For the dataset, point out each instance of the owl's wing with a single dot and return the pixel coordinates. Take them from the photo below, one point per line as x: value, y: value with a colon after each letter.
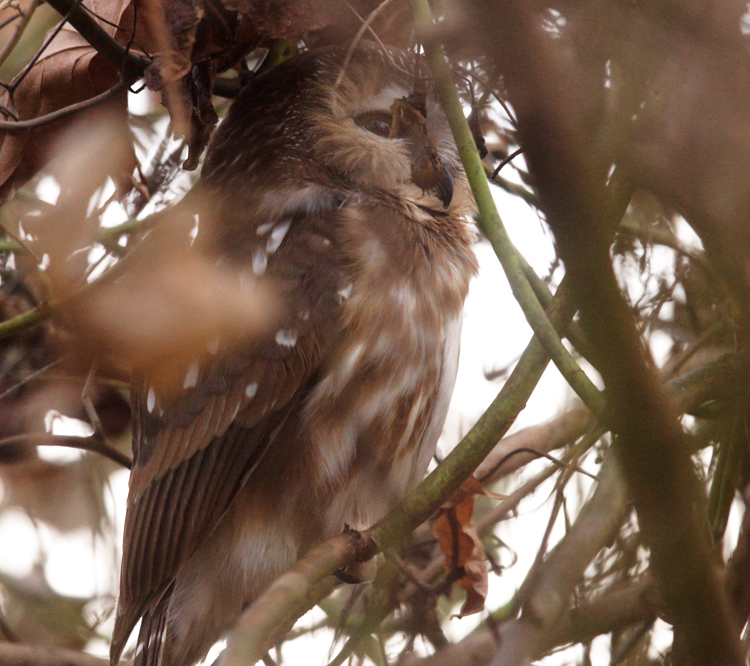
x: 192, y: 455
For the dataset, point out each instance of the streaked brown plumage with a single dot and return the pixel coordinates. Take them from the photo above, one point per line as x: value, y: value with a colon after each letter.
x: 271, y: 447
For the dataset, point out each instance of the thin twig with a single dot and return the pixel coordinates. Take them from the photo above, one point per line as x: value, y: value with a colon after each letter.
x: 18, y: 125
x: 362, y: 30
x: 130, y: 64
x: 48, y: 40
x: 11, y: 43
x: 9, y: 20
x: 29, y: 377
x: 507, y: 160
x: 672, y: 366
x: 94, y: 444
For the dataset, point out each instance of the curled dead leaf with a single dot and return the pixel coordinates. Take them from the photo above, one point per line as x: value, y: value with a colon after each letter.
x: 69, y: 71
x: 460, y: 543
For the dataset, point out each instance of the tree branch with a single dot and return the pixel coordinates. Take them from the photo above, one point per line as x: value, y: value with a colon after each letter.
x: 301, y: 588
x: 267, y: 620
x: 131, y: 65
x: 596, y: 525
x: 490, y: 221
x: 571, y: 175
x: 94, y: 444
x: 14, y: 654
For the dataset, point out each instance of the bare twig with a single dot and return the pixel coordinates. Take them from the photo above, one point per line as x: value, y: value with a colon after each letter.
x: 543, y: 438
x: 94, y: 444
x: 596, y: 525
x: 40, y: 51
x: 360, y: 33
x: 130, y: 64
x: 25, y: 18
x: 29, y: 377
x: 507, y: 160
x: 13, y: 654
x: 673, y: 365
x: 615, y: 609
x: 19, y: 125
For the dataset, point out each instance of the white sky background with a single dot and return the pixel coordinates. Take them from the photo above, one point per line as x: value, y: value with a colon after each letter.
x: 495, y: 334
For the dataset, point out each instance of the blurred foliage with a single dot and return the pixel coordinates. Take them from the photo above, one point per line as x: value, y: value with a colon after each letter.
x: 115, y: 169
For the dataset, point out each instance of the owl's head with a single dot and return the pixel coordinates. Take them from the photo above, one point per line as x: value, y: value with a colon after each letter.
x: 366, y: 119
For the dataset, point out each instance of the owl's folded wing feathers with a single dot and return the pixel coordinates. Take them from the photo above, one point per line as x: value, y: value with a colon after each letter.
x: 193, y: 454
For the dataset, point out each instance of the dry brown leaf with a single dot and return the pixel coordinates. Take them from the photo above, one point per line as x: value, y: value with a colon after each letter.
x: 460, y: 543
x: 161, y: 318
x: 70, y: 71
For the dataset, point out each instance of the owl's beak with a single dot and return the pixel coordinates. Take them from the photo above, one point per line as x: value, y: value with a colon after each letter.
x: 444, y: 189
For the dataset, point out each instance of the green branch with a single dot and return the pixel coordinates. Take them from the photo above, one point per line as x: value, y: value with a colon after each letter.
x: 490, y: 221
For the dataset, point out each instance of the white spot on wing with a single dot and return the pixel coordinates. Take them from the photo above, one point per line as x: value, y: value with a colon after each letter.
x: 260, y: 261
x: 251, y: 390
x: 345, y: 293
x: 277, y: 236
x: 286, y: 337
x: 194, y: 230
x: 191, y: 377
x: 151, y: 400
x: 264, y: 228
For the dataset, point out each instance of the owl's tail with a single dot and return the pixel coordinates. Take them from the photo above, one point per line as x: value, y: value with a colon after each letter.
x: 151, y: 638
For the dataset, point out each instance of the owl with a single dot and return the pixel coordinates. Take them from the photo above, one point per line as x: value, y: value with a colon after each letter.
x: 348, y: 198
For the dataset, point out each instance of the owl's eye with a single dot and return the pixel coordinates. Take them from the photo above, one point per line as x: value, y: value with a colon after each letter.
x: 377, y: 122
